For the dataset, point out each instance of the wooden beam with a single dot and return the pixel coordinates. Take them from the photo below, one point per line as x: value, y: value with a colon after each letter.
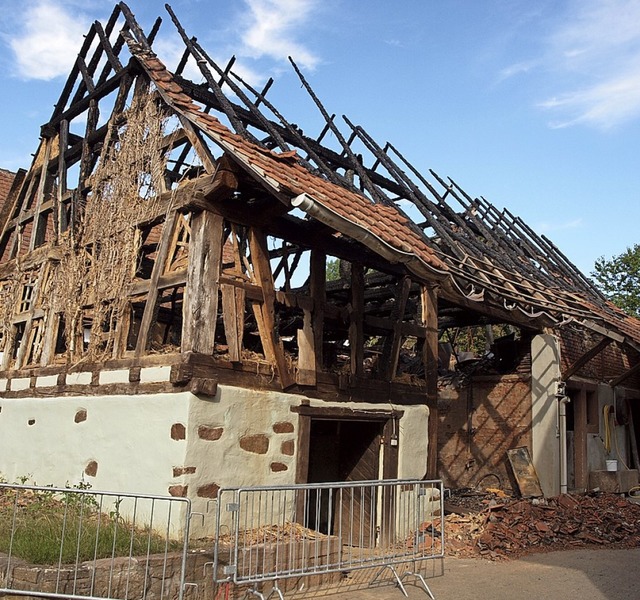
x: 265, y: 311
x: 632, y: 436
x: 40, y: 195
x: 318, y: 290
x: 200, y: 308
x: 585, y: 358
x: 233, y: 307
x: 429, y: 315
x: 616, y: 337
x: 195, y: 139
x: 150, y: 309
x: 306, y: 374
x: 356, y: 320
x: 59, y: 218
x: 391, y: 351
x: 628, y: 373
x: 253, y: 292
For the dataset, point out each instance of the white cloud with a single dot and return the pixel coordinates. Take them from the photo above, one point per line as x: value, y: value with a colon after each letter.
x: 597, y: 48
x: 604, y: 105
x: 516, y: 69
x: 48, y: 40
x: 546, y: 227
x: 273, y: 29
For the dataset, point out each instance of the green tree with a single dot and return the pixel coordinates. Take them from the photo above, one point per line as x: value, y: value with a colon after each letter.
x: 333, y: 269
x: 619, y: 279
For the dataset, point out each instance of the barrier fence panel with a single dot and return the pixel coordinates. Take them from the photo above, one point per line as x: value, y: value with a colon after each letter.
x: 79, y: 543
x: 274, y: 533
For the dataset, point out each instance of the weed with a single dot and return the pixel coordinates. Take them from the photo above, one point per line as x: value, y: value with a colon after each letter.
x: 50, y: 527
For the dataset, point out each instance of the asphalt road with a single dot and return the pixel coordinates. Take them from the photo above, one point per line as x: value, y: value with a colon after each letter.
x: 566, y: 575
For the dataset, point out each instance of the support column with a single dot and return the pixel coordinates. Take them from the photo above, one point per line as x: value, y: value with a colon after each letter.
x: 200, y: 309
x: 429, y: 297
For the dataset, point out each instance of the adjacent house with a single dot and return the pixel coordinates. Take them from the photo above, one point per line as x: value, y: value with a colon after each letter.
x: 197, y: 293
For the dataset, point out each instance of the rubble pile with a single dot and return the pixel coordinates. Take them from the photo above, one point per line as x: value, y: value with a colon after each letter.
x: 508, y: 528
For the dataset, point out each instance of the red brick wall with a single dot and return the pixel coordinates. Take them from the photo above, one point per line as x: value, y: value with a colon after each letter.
x: 477, y: 425
x: 609, y: 364
x: 6, y: 179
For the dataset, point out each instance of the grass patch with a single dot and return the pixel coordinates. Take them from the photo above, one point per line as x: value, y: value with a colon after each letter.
x: 50, y: 528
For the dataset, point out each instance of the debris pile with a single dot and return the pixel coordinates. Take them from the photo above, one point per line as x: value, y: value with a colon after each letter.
x: 508, y: 528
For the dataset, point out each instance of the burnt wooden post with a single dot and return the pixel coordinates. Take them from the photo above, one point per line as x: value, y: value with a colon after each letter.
x: 318, y: 286
x: 203, y: 280
x: 391, y: 351
x: 150, y: 309
x: 233, y: 303
x: 265, y: 311
x: 307, y: 373
x: 429, y: 297
x: 356, y: 320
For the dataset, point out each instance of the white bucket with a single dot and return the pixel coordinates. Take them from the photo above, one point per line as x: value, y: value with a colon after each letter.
x: 612, y: 465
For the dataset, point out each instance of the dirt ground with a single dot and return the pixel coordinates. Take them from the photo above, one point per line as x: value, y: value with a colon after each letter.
x: 584, y: 574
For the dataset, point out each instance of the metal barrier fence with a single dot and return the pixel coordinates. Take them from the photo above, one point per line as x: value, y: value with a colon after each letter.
x: 274, y: 533
x: 82, y: 544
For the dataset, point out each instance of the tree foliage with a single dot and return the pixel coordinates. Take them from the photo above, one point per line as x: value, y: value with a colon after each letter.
x: 619, y: 279
x: 333, y: 269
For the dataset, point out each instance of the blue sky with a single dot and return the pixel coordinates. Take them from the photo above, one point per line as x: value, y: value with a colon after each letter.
x: 533, y: 105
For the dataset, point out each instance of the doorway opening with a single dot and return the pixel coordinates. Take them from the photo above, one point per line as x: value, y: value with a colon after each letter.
x: 343, y: 451
x: 347, y: 445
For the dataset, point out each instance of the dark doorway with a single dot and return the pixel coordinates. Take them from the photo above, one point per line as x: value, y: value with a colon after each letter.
x: 341, y: 450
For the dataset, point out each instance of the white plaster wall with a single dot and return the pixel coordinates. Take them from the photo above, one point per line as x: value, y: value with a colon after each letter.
x: 128, y: 436
x: 413, y: 443
x: 240, y: 412
x: 545, y: 373
x: 130, y: 439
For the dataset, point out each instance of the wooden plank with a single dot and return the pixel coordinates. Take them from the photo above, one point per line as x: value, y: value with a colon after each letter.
x: 200, y: 308
x: 391, y: 349
x: 429, y: 316
x: 40, y: 194
x: 318, y: 286
x: 265, y: 312
x: 52, y: 324
x: 195, y: 139
x: 306, y: 374
x: 356, y: 320
x: 152, y: 296
x: 233, y: 307
x: 254, y: 292
x: 524, y: 472
x: 59, y: 217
